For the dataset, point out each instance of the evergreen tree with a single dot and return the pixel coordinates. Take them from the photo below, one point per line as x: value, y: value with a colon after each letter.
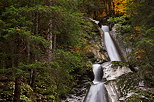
x: 37, y: 62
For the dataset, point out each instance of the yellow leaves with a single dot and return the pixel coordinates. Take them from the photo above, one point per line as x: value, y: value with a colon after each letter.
x: 137, y: 28
x: 124, y: 1
x: 18, y: 29
x: 119, y: 6
x: 138, y: 31
x: 130, y: 37
x: 84, y: 41
x: 139, y: 53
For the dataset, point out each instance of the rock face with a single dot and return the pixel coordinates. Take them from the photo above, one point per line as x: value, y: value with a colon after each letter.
x: 121, y: 45
x: 111, y: 74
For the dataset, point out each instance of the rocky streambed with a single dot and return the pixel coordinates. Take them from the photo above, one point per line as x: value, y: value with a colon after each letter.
x: 78, y: 93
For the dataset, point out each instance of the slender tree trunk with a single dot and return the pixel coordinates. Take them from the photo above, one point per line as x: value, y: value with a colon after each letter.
x: 54, y: 44
x: 15, y: 62
x: 105, y: 5
x: 33, y: 78
x: 28, y: 59
x: 33, y: 71
x: 109, y: 7
x: 17, y: 90
x: 50, y: 38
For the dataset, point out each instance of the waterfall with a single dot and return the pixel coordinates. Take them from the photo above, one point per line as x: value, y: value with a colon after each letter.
x: 97, y: 70
x: 109, y: 45
x: 97, y: 92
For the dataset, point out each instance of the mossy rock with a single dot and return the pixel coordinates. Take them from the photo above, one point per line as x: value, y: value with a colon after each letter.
x: 140, y: 96
x: 128, y: 82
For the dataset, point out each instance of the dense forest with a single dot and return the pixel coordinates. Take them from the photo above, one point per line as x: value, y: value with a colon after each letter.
x: 44, y: 44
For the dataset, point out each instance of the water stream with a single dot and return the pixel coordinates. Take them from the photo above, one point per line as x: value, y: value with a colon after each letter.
x: 109, y: 45
x: 97, y: 91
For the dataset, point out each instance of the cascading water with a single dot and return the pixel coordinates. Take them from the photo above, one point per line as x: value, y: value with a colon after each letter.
x: 109, y: 45
x: 98, y: 72
x: 97, y: 92
x: 102, y: 91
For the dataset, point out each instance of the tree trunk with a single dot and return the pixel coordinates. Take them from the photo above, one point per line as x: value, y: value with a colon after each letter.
x: 33, y: 71
x: 54, y: 44
x: 33, y: 78
x: 17, y: 90
x: 15, y: 61
x: 50, y: 38
x: 109, y: 7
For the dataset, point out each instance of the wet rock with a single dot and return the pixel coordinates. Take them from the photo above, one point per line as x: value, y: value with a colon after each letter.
x: 112, y: 73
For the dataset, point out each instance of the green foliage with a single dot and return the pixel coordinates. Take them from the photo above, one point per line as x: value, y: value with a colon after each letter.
x: 6, y: 90
x: 90, y: 6
x: 69, y: 60
x: 136, y: 32
x: 115, y: 20
x: 141, y: 12
x: 122, y: 24
x: 25, y: 26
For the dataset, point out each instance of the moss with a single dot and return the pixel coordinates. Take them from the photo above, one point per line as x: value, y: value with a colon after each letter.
x: 141, y: 96
x: 119, y: 63
x: 127, y: 82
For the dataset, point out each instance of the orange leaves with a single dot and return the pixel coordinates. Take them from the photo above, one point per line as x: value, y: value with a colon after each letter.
x: 87, y: 48
x: 75, y: 49
x: 104, y: 14
x: 139, y: 53
x: 138, y: 57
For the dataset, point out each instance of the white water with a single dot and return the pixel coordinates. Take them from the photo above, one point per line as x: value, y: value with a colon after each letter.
x: 98, y: 72
x: 94, y: 20
x: 110, y: 46
x: 97, y: 92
